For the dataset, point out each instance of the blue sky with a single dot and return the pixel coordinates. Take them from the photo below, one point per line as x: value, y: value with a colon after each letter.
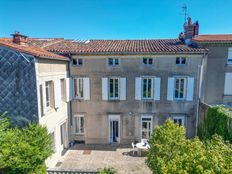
x: 111, y: 19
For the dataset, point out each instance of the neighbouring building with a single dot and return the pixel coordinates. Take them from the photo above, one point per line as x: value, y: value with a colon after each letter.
x: 34, y: 87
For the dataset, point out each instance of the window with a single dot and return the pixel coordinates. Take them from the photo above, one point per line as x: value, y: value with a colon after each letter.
x: 229, y: 59
x: 53, y: 145
x: 49, y: 93
x: 114, y: 88
x: 147, y: 61
x: 180, y: 87
x: 79, y: 88
x: 113, y: 61
x: 228, y: 83
x: 79, y: 124
x: 147, y: 87
x: 180, y: 61
x: 179, y: 120
x: 62, y: 83
x: 146, y: 127
x: 77, y: 62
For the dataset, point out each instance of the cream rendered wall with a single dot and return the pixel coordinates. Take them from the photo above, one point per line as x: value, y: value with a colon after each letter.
x: 49, y: 70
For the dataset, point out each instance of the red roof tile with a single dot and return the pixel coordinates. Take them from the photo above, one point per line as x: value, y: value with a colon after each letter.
x: 152, y: 46
x: 214, y: 38
x: 35, y: 51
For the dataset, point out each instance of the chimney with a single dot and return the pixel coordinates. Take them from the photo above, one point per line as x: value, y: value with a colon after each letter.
x: 191, y: 30
x: 19, y: 39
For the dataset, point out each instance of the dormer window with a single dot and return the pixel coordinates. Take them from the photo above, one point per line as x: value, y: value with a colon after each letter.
x: 77, y: 62
x: 113, y: 61
x: 180, y: 60
x: 147, y: 61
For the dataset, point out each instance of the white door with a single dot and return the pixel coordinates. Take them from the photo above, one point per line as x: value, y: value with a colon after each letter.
x: 114, y: 128
x: 146, y: 127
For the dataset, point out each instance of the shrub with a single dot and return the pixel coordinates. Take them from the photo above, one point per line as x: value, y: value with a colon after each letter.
x: 24, y: 150
x: 171, y: 152
x: 107, y: 171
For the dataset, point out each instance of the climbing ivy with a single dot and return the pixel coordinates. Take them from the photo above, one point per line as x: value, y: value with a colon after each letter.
x: 218, y: 120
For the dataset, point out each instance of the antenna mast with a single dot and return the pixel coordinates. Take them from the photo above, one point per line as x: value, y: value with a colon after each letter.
x: 184, y: 11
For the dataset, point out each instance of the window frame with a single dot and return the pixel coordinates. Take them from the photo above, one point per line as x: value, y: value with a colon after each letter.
x: 79, y: 116
x: 151, y: 124
x: 179, y: 117
x: 181, y: 60
x: 77, y: 62
x: 229, y: 59
x: 63, y: 89
x: 184, y: 90
x: 77, y: 88
x: 49, y: 94
x: 53, y: 144
x: 114, y: 98
x: 147, y: 61
x: 152, y: 87
x: 113, y: 62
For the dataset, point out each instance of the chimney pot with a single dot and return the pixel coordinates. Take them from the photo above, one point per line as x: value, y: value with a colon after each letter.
x: 19, y: 39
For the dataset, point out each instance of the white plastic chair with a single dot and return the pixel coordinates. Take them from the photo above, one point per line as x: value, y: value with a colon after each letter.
x: 144, y: 141
x: 134, y: 147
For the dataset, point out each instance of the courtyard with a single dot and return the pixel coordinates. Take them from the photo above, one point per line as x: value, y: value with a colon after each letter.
x: 94, y: 157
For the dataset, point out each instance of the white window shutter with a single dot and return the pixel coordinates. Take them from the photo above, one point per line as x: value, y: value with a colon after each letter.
x: 104, y: 88
x: 86, y: 89
x: 228, y: 84
x: 170, y: 89
x: 190, y: 89
x: 123, y: 88
x: 69, y: 89
x: 138, y: 88
x: 157, y: 88
x: 57, y: 93
x: 44, y: 98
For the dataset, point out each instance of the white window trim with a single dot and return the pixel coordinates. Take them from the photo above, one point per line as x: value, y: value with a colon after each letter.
x: 152, y: 87
x: 74, y: 124
x: 185, y: 88
x: 78, y: 90
x: 181, y: 61
x: 114, y: 98
x: 50, y: 95
x: 141, y: 124
x: 181, y: 118
x: 114, y: 65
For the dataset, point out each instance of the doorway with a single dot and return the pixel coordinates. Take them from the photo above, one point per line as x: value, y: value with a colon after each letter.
x: 114, y: 128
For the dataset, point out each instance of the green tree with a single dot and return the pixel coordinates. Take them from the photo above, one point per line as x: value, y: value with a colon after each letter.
x: 171, y: 152
x: 24, y: 150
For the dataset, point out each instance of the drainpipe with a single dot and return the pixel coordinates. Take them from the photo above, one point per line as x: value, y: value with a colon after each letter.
x: 200, y: 76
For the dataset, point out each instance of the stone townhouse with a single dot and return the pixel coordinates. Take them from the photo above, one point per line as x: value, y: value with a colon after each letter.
x: 218, y: 80
x: 34, y: 86
x: 122, y: 89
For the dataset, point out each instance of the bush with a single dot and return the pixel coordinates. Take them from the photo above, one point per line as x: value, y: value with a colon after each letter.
x: 217, y: 121
x: 24, y: 150
x: 171, y: 152
x: 107, y: 171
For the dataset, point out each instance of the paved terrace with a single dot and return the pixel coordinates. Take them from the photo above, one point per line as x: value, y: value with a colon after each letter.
x: 94, y: 157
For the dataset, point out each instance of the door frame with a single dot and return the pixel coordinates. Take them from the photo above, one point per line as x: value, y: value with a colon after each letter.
x: 114, y: 117
x: 141, y: 123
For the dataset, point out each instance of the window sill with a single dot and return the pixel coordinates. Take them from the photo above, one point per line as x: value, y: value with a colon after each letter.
x: 79, y: 134
x: 77, y: 66
x: 227, y: 95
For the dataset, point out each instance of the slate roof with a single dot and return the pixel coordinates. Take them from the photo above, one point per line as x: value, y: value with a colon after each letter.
x: 151, y: 46
x: 214, y: 38
x: 32, y: 50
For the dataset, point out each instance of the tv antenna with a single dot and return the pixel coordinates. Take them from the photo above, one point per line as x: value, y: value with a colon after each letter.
x: 184, y: 11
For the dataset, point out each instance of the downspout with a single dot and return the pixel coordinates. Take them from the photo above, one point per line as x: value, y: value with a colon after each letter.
x: 200, y: 76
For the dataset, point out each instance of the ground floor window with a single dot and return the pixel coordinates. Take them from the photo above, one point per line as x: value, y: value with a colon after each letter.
x: 146, y: 127
x: 79, y: 124
x: 53, y: 145
x: 180, y: 120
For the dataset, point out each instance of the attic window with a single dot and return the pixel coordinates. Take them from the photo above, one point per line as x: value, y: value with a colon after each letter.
x: 77, y: 62
x: 180, y: 61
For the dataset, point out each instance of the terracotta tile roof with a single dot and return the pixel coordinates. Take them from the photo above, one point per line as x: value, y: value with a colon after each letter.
x: 152, y: 46
x: 35, y: 51
x: 214, y: 38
